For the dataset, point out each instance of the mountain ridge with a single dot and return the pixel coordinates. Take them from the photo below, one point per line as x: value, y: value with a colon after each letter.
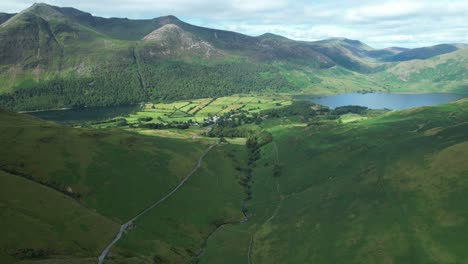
x: 44, y: 46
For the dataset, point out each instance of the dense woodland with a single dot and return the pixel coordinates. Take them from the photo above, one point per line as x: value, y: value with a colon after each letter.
x: 173, y: 80
x: 120, y: 84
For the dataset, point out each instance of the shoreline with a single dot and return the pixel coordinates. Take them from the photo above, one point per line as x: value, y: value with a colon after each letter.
x: 45, y: 110
x: 74, y: 108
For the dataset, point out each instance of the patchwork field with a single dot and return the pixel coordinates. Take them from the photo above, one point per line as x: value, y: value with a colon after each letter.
x: 198, y: 110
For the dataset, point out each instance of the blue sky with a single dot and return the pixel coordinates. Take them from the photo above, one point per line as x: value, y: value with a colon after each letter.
x: 380, y: 24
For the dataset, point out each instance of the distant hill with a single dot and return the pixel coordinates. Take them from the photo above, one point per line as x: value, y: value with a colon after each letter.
x: 383, y: 54
x: 422, y: 53
x: 443, y: 73
x: 351, y: 54
x: 4, y: 17
x: 52, y: 57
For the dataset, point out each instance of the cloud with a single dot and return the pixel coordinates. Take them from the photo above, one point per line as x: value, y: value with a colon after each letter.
x: 383, y: 11
x: 389, y: 23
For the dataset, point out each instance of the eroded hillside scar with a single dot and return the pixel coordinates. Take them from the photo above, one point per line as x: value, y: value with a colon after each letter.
x: 140, y: 78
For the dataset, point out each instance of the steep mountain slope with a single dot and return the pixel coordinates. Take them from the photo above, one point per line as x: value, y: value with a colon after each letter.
x: 383, y: 54
x: 28, y: 38
x: 5, y: 16
x: 351, y: 54
x: 172, y: 41
x: 423, y: 53
x: 52, y: 57
x: 65, y: 62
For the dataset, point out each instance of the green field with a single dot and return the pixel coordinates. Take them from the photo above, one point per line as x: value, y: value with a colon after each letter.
x: 198, y: 110
x: 194, y: 111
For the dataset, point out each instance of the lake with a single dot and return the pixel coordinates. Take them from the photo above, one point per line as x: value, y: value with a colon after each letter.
x: 384, y: 100
x: 370, y: 100
x: 87, y: 114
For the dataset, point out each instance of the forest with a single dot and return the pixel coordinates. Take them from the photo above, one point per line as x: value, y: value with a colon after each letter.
x: 115, y: 84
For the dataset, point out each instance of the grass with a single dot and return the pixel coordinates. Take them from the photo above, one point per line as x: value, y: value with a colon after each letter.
x: 196, y: 111
x: 39, y: 218
x: 444, y: 73
x: 388, y: 186
x: 176, y: 230
x: 113, y: 174
x: 384, y: 189
x: 349, y: 118
x: 94, y: 163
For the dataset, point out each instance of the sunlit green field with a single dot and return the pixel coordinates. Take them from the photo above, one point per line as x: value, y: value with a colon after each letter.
x: 198, y: 110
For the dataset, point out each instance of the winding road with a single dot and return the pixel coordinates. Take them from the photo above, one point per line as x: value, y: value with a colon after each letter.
x: 124, y: 227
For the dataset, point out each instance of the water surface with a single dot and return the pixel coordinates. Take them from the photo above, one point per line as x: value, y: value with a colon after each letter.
x: 87, y: 114
x: 385, y: 100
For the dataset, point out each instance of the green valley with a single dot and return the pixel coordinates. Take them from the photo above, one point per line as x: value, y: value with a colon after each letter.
x: 338, y: 183
x: 131, y: 141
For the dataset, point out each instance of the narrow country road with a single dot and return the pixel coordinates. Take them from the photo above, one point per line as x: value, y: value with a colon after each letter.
x: 127, y: 224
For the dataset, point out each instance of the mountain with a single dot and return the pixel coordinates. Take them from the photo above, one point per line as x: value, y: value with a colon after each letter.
x: 170, y: 40
x: 54, y: 57
x: 443, y: 73
x: 5, y: 16
x: 382, y: 54
x: 348, y: 53
x: 423, y: 53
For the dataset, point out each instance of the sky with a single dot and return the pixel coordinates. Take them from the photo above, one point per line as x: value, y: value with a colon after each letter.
x: 380, y: 24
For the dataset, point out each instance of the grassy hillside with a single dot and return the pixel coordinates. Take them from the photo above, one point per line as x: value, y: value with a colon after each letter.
x: 387, y: 185
x: 444, y: 73
x: 387, y: 189
x: 42, y: 223
x: 175, y: 231
x: 105, y: 177
x: 92, y: 165
x: 422, y: 53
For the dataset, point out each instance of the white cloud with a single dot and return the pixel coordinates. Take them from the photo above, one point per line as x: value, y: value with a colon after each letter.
x: 388, y: 10
x: 390, y: 23
x: 258, y: 5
